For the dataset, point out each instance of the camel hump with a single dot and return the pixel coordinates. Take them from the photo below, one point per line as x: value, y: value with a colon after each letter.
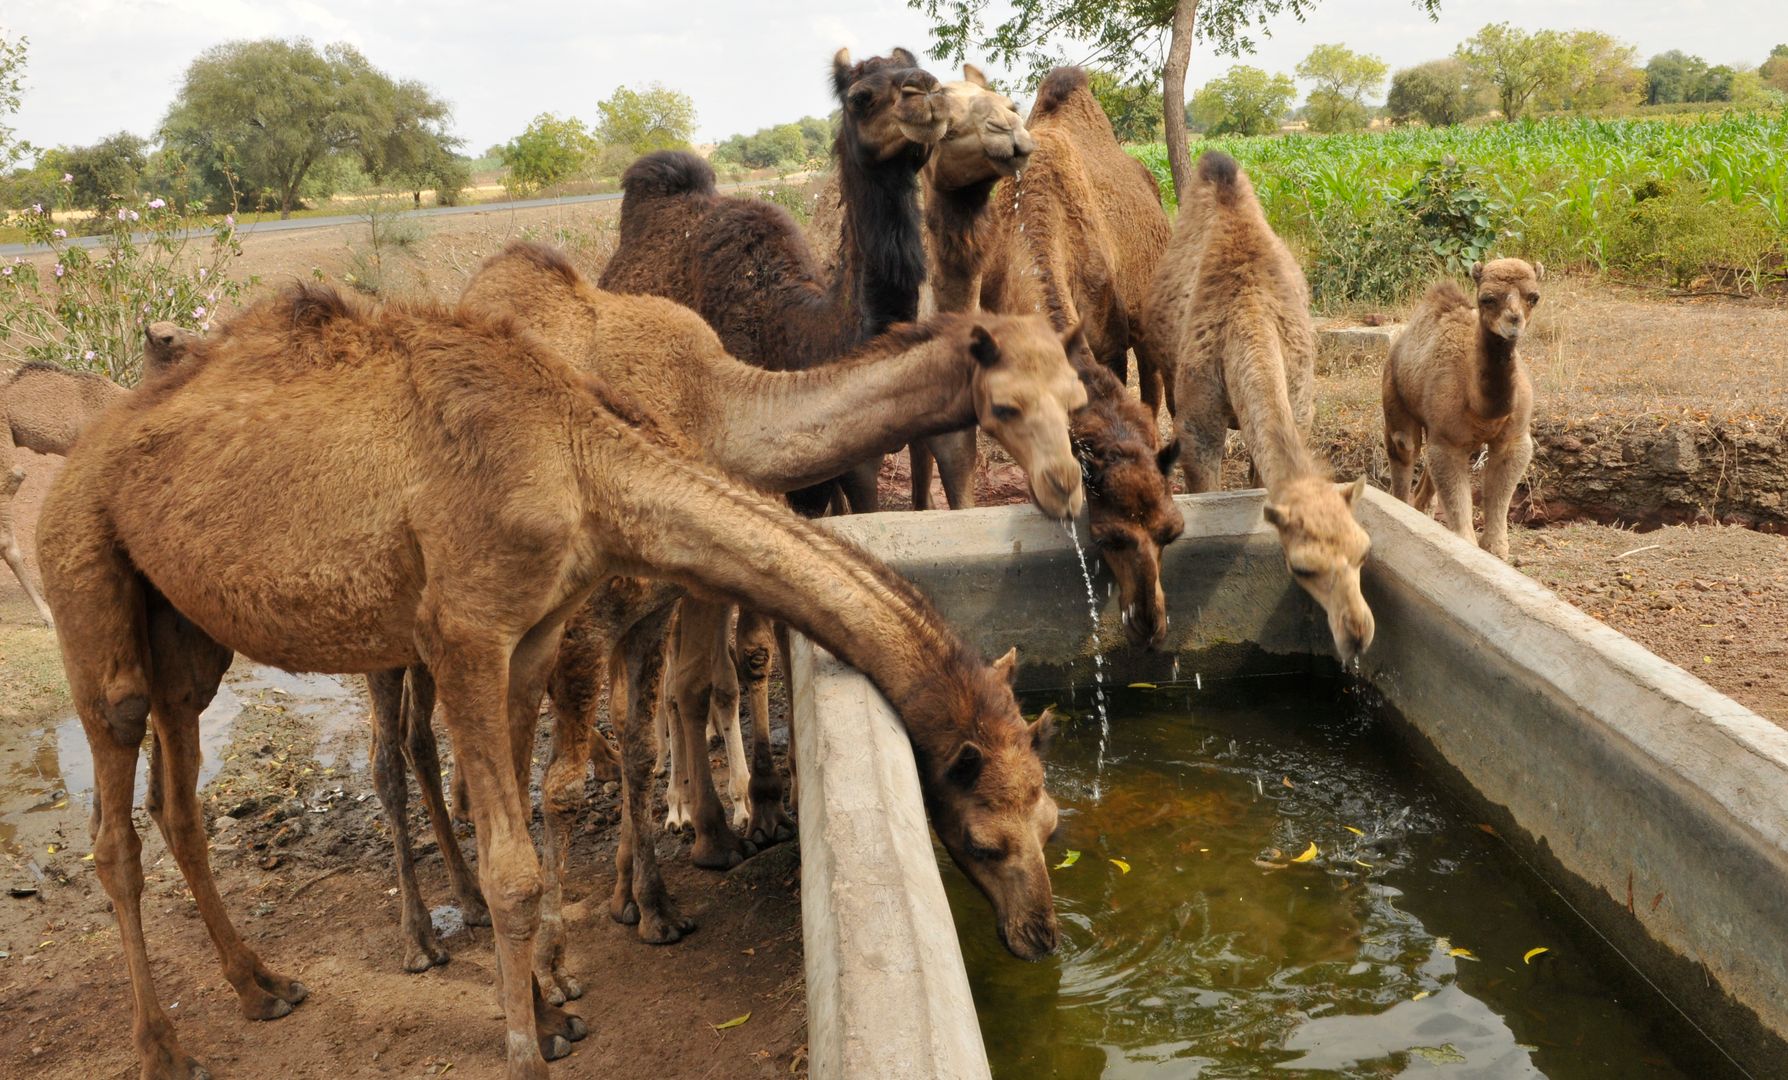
x: 1220, y: 171
x: 1058, y: 86
x: 667, y: 173
x: 314, y: 306
x: 541, y: 256
x: 1446, y: 294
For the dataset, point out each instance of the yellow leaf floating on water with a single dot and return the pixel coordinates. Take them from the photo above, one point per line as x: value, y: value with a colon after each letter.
x: 1362, y: 862
x: 1123, y: 867
x: 1309, y: 853
x: 1463, y: 954
x: 733, y: 1023
x: 1143, y: 686
x: 1356, y: 832
x: 1068, y: 860
x: 1420, y: 994
x: 1285, y: 781
x: 1527, y: 957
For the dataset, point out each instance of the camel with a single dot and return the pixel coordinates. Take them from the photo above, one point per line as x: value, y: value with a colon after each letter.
x: 1077, y: 235
x: 744, y: 265
x: 1455, y: 378
x: 775, y: 432
x: 43, y: 408
x: 1230, y: 305
x: 504, y: 488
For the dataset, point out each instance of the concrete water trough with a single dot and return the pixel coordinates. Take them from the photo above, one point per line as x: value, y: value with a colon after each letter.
x: 1616, y: 774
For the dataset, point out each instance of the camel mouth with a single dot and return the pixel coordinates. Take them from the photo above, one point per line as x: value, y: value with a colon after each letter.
x: 1143, y: 629
x: 1032, y: 940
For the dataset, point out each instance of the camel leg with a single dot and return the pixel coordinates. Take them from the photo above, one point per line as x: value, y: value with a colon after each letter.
x: 860, y: 486
x: 671, y: 747
x: 1450, y: 468
x: 919, y: 455
x: 1150, y: 379
x: 703, y: 629
x: 640, y: 896
x: 9, y: 544
x: 1507, y: 464
x: 188, y: 666
x: 1402, y: 445
x: 769, y: 822
x: 573, y: 687
x: 1423, y: 494
x: 723, y: 713
x: 1204, y: 428
x: 422, y: 950
x: 957, y: 456
x: 783, y: 657
x: 424, y: 757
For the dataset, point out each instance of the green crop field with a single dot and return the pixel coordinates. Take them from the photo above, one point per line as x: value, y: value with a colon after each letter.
x: 1674, y: 201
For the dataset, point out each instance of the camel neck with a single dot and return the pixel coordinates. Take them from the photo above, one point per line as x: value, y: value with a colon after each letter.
x: 780, y: 431
x: 881, y: 253
x: 957, y: 221
x: 1496, y: 375
x: 1261, y: 399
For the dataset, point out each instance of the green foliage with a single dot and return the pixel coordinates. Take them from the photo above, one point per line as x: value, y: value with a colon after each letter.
x: 1243, y: 101
x: 1514, y: 64
x: 89, y: 309
x: 109, y: 171
x: 1344, y: 80
x: 1673, y: 76
x: 12, y: 84
x: 1134, y: 108
x: 1592, y: 71
x: 1773, y: 72
x: 550, y: 150
x: 1679, y: 233
x: 391, y: 235
x: 1437, y: 93
x: 790, y: 198
x: 656, y: 118
x: 800, y: 144
x: 1454, y: 213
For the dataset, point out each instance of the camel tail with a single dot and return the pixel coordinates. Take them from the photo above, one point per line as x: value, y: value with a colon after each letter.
x: 667, y: 173
x: 1220, y: 171
x: 1058, y: 86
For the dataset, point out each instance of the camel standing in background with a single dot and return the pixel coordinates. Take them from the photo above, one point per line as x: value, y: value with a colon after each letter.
x: 44, y: 408
x: 1231, y: 308
x: 1454, y: 376
x: 506, y: 486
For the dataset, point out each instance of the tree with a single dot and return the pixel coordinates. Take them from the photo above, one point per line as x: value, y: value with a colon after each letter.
x: 783, y: 146
x: 1593, y: 71
x: 1672, y: 76
x: 547, y: 152
x: 1134, y: 108
x: 412, y: 142
x: 1715, y: 84
x: 12, y: 84
x: 655, y: 118
x: 1126, y: 38
x: 1344, y: 79
x: 270, y: 113
x: 1513, y: 63
x: 1244, y: 101
x: 107, y: 172
x: 1437, y: 93
x: 1774, y: 71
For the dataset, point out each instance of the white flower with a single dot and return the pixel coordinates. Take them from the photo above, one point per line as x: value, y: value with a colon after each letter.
x: 59, y: 233
x: 88, y: 356
x: 157, y: 204
x: 123, y: 214
x: 37, y: 208
x: 199, y: 312
x: 203, y: 272
x: 6, y: 272
x: 68, y: 178
x: 59, y: 270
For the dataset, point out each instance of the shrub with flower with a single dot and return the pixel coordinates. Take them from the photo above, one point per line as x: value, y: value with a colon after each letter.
x: 89, y: 309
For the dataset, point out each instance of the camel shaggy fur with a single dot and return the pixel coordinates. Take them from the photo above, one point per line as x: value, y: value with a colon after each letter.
x: 44, y: 408
x: 504, y: 488
x: 1455, y: 379
x: 1231, y: 307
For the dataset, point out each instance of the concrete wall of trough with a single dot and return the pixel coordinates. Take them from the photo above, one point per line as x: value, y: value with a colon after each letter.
x: 1624, y: 776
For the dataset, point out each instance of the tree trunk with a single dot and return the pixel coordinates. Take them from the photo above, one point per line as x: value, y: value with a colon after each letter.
x: 1173, y: 95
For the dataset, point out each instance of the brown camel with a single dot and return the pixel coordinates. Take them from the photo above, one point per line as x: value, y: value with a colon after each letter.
x: 744, y: 265
x: 1455, y: 377
x: 775, y: 431
x: 1231, y: 307
x: 506, y: 485
x: 43, y: 408
x: 1076, y: 235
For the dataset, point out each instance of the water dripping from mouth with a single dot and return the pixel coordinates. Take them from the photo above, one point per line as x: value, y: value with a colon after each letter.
x: 1092, y: 606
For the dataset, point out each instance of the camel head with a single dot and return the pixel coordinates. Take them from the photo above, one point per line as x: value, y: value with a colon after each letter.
x: 164, y: 346
x: 1324, y: 548
x: 1132, y: 518
x: 985, y: 138
x: 1025, y: 391
x: 891, y: 105
x: 987, y: 803
x: 1508, y: 291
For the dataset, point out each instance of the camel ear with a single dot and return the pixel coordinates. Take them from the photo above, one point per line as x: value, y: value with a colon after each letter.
x: 1539, y: 271
x: 1351, y: 492
x: 1043, y: 731
x: 1168, y: 456
x: 1006, y: 666
x: 1274, y: 514
x: 972, y: 74
x: 841, y: 72
x: 965, y: 767
x: 1477, y: 272
x: 982, y: 347
x: 904, y: 58
x: 1074, y: 342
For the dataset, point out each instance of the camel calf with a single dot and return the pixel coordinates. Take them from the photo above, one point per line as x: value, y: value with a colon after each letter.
x: 1455, y: 378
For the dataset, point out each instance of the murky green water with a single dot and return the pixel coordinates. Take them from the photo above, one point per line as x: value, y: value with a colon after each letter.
x: 1218, y: 955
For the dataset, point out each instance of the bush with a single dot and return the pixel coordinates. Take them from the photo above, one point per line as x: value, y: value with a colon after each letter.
x: 1680, y: 235
x: 88, y: 311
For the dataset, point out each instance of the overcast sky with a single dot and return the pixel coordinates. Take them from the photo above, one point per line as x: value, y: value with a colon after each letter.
x: 97, y: 66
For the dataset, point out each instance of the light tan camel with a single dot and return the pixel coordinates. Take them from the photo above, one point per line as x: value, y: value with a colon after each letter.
x: 1076, y: 235
x: 1231, y: 308
x: 1455, y: 378
x: 43, y: 408
x: 503, y: 488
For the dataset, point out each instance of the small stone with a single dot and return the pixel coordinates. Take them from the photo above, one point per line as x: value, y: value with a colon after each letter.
x: 271, y: 861
x: 20, y: 892
x: 611, y: 787
x: 223, y: 825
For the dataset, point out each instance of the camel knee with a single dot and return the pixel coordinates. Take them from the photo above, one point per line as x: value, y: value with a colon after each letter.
x: 125, y: 712
x: 754, y: 664
x: 513, y: 895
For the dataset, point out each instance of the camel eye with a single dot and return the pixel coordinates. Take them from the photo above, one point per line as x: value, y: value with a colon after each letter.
x: 1533, y: 298
x: 1113, y: 541
x: 1005, y: 414
x: 1486, y: 300
x: 1304, y: 572
x: 985, y: 852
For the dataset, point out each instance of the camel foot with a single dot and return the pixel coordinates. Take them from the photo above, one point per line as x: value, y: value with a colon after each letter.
x: 721, y: 852
x: 554, y: 1047
x: 551, y: 1020
x: 167, y: 1062
x: 473, y: 910
x: 1500, y: 549
x: 770, y: 824
x: 665, y: 926
x: 625, y: 912
x: 422, y: 953
x: 741, y: 819
x: 676, y: 817
x: 558, y: 988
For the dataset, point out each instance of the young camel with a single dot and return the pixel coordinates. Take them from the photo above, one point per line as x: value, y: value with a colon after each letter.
x: 1230, y: 305
x: 773, y: 431
x: 1455, y: 377
x: 505, y: 487
x: 44, y: 408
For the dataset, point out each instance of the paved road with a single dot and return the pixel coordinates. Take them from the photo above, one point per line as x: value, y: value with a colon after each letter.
x: 276, y: 225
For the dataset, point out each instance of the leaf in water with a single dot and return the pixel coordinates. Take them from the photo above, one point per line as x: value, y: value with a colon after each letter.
x: 1285, y: 781
x: 1309, y: 853
x: 1123, y: 867
x: 1356, y: 832
x: 733, y: 1023
x: 1444, y: 1054
x: 1491, y: 829
x: 1527, y: 957
x: 1419, y: 995
x: 1068, y: 860
x: 1463, y: 954
x: 1362, y: 862
x: 1143, y: 686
